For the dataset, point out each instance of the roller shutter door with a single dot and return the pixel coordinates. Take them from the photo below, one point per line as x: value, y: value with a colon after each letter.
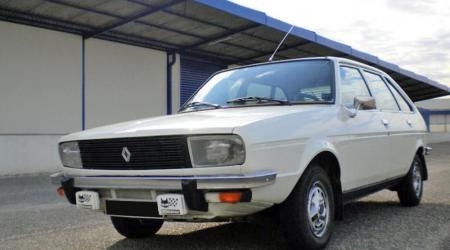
x: 193, y: 73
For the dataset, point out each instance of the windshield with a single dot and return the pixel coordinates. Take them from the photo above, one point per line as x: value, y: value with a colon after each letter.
x: 284, y: 83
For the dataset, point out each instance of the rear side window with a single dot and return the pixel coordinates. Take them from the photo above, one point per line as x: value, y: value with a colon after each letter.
x: 352, y: 84
x: 381, y: 93
x: 404, y: 106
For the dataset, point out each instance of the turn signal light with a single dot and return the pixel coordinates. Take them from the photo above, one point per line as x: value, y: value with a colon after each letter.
x: 230, y: 197
x: 60, y: 191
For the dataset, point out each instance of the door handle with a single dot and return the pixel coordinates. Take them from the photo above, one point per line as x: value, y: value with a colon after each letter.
x: 385, y: 122
x: 409, y: 122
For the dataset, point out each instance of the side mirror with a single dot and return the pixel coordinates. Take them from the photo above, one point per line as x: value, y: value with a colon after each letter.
x: 364, y: 103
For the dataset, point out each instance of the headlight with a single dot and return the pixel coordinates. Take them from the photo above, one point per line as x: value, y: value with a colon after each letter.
x: 70, y: 154
x: 216, y: 150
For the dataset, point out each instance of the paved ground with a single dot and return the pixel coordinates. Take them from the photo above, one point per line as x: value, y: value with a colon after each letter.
x: 33, y: 217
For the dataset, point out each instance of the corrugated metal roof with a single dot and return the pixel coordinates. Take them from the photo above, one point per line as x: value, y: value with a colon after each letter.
x: 219, y: 30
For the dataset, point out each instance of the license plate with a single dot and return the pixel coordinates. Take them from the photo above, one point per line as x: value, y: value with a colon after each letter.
x: 87, y: 200
x: 171, y: 204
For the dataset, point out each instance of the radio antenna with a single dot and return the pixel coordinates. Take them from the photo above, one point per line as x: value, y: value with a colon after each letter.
x: 281, y: 42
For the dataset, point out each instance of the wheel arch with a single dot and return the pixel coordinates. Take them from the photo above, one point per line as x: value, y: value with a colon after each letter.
x: 330, y: 163
x: 327, y: 158
x: 421, y: 153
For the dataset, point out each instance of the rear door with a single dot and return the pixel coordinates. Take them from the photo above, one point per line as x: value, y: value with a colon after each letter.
x: 390, y: 118
x: 403, y: 132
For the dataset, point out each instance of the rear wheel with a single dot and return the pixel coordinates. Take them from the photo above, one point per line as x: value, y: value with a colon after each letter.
x: 411, y: 188
x: 136, y: 228
x: 307, y: 216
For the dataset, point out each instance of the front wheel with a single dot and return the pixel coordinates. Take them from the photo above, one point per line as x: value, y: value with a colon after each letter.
x: 307, y: 216
x: 411, y: 188
x: 136, y: 228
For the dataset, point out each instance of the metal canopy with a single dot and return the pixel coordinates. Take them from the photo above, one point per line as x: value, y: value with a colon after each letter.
x: 212, y: 29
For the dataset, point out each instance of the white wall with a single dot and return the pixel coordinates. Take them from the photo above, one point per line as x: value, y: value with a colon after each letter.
x: 438, y: 137
x: 438, y: 123
x: 24, y: 154
x: 40, y: 91
x: 39, y: 96
x: 39, y: 80
x: 441, y: 103
x: 123, y: 82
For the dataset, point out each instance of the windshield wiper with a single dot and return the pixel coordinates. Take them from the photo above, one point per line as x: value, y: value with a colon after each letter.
x: 199, y: 104
x: 258, y: 99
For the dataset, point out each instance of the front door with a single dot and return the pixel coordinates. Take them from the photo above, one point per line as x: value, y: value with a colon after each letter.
x: 363, y: 141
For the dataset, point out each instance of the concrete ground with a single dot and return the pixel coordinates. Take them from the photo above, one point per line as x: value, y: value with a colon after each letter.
x: 33, y: 217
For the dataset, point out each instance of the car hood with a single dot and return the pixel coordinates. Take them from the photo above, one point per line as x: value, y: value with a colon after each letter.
x: 201, y: 122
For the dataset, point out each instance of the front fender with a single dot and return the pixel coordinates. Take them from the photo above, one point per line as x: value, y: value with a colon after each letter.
x: 312, y: 149
x: 286, y: 180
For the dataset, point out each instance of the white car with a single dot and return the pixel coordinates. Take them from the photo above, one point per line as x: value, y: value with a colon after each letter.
x: 301, y: 137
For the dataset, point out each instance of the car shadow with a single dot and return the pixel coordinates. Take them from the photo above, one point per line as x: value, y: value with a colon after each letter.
x: 366, y: 224
x: 225, y: 236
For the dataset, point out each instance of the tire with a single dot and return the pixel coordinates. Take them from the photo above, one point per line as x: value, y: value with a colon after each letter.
x: 136, y: 228
x: 297, y: 228
x: 411, y: 188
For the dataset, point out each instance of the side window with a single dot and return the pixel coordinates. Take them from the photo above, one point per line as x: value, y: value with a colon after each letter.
x: 383, y: 97
x: 404, y: 106
x: 352, y: 84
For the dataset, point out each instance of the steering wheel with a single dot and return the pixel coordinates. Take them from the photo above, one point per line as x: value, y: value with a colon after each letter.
x: 303, y: 96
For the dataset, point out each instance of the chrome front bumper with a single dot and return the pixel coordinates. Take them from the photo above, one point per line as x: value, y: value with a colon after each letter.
x: 209, y: 182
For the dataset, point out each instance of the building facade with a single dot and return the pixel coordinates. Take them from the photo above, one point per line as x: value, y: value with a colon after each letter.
x: 436, y: 113
x: 41, y: 97
x: 66, y: 66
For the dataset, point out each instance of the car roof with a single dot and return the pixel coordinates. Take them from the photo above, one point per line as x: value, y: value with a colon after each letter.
x: 332, y: 58
x: 355, y: 63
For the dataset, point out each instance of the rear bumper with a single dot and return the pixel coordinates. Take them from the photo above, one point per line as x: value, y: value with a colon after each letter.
x: 209, y: 182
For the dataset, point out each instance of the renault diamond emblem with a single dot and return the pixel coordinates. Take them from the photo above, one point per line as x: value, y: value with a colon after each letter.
x: 126, y: 154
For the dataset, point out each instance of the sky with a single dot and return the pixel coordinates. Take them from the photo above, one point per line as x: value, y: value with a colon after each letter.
x: 414, y: 34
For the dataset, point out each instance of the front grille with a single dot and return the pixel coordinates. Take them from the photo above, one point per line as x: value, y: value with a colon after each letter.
x: 159, y: 152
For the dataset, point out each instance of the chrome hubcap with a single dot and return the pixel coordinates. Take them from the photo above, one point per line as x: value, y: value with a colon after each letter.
x: 417, y: 179
x: 318, y: 209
